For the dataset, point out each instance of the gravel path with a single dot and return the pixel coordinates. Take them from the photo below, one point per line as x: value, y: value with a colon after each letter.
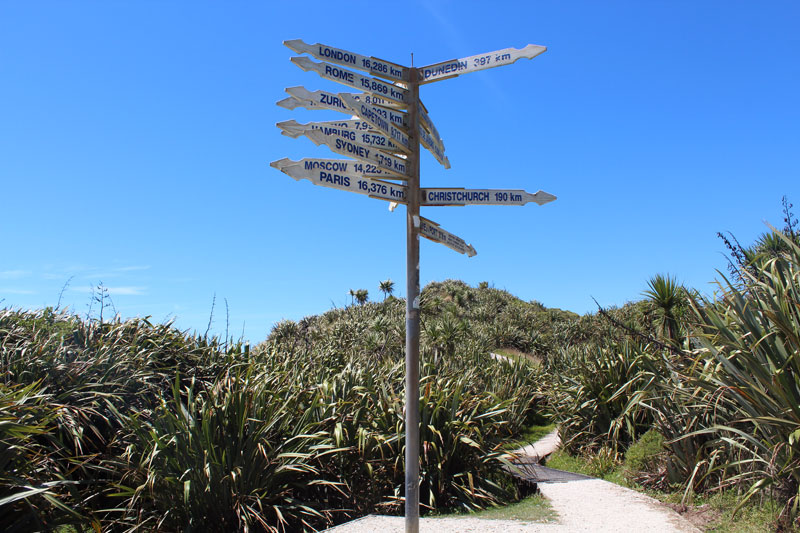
x: 584, y: 505
x: 542, y: 447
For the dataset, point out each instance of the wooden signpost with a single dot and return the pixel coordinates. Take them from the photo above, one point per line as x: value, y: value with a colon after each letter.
x: 340, y: 165
x: 442, y: 196
x: 385, y: 161
x: 431, y: 230
x: 302, y: 97
x: 385, y: 144
x: 457, y: 67
x: 377, y: 67
x: 392, y: 123
x: 354, y: 130
x: 354, y: 79
x: 346, y: 181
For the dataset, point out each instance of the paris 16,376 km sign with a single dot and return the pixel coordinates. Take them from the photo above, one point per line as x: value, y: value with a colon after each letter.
x: 385, y: 126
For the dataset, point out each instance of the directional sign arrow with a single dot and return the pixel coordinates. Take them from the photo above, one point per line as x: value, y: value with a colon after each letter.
x: 428, y: 142
x: 384, y: 120
x: 328, y: 100
x: 427, y: 123
x: 291, y: 128
x: 336, y: 165
x: 456, y: 67
x: 431, y: 230
x: 441, y: 196
x: 345, y: 181
x: 386, y: 162
x: 376, y: 67
x: 353, y: 130
x: 353, y: 79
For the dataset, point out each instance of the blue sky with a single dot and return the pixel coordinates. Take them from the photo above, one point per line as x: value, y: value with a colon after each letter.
x: 136, y: 137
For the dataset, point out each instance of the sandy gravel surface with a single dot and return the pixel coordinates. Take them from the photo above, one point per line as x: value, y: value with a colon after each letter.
x: 396, y: 524
x: 597, y: 505
x: 589, y: 505
x: 629, y: 519
x: 542, y: 447
x: 582, y: 506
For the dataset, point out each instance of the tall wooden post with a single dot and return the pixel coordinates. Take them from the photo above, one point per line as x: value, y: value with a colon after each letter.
x: 412, y: 313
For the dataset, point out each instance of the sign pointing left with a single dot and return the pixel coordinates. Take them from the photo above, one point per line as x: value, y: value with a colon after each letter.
x: 353, y: 79
x: 335, y: 165
x: 386, y: 162
x: 345, y: 181
x: 376, y: 67
x: 332, y: 101
x: 357, y: 131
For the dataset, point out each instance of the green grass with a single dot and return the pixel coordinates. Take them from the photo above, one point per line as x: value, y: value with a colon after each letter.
x: 531, y: 509
x: 716, y: 511
x: 530, y: 434
x: 561, y: 460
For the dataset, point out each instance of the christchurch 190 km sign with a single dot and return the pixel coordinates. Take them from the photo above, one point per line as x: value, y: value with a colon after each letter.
x: 389, y: 124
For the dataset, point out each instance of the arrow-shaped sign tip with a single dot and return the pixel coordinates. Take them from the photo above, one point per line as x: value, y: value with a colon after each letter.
x: 290, y: 128
x: 303, y: 62
x: 281, y: 163
x: 289, y: 103
x: 471, y: 251
x: 541, y: 197
x: 294, y: 45
x: 533, y: 50
x: 446, y: 163
x: 292, y: 172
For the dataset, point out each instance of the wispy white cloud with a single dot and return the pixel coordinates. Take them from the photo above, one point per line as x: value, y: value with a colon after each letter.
x: 114, y: 291
x: 6, y: 290
x: 127, y: 291
x: 132, y: 268
x: 113, y: 272
x: 14, y: 274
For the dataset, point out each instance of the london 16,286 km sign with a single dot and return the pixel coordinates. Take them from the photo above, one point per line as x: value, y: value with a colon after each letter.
x: 389, y: 124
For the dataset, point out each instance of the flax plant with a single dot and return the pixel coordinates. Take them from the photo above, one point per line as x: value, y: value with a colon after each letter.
x: 751, y: 336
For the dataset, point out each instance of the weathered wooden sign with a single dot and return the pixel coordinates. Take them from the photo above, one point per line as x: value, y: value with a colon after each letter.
x: 336, y: 165
x: 434, y: 148
x: 302, y: 97
x: 386, y: 162
x: 427, y: 123
x: 353, y: 130
x: 376, y: 67
x: 353, y: 79
x: 498, y: 58
x: 441, y: 196
x: 384, y: 120
x: 345, y: 181
x: 432, y: 231
x: 292, y: 128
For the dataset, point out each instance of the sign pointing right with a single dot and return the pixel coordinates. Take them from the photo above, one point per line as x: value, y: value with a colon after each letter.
x: 498, y: 58
x: 431, y: 231
x: 442, y: 196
